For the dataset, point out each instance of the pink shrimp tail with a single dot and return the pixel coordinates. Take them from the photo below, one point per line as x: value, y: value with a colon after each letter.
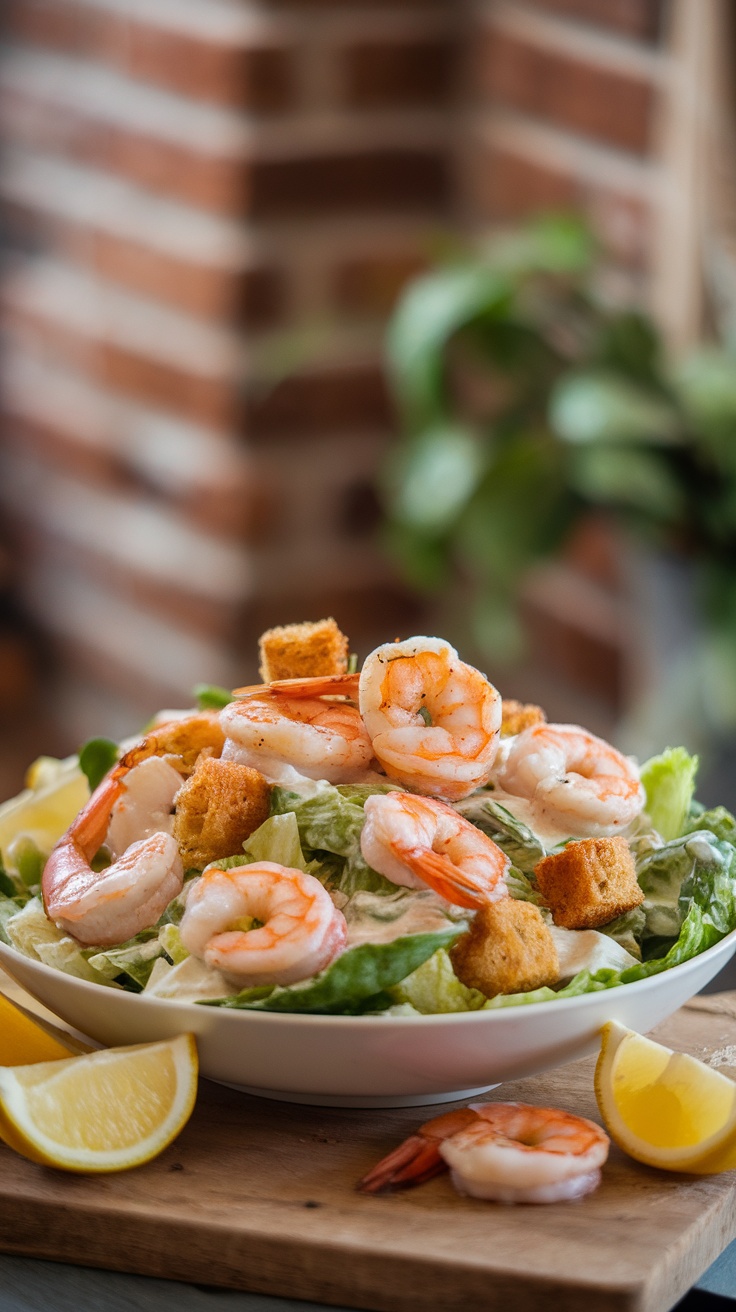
x: 418, y: 1158
x: 345, y: 685
x: 451, y: 883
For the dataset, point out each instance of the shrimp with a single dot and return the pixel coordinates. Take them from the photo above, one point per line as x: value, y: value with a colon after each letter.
x: 508, y: 1152
x: 301, y: 932
x: 109, y: 906
x: 574, y: 780
x: 433, y: 720
x: 416, y: 841
x: 286, y: 736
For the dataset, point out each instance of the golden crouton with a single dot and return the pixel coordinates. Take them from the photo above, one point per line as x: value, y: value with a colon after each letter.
x: 302, y: 651
x: 519, y: 715
x: 508, y: 949
x: 589, y: 882
x: 217, y: 809
x: 187, y: 738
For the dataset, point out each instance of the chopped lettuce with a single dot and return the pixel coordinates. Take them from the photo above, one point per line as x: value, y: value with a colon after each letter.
x: 662, y: 873
x: 669, y: 783
x: 31, y: 933
x: 360, y: 974
x: 170, y: 940
x: 627, y: 930
x: 717, y: 821
x: 512, y: 836
x: 330, y: 822
x: 210, y: 697
x: 135, y: 961
x: 434, y: 987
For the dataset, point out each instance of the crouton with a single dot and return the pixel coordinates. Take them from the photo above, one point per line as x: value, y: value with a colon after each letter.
x: 185, y: 739
x: 217, y: 809
x: 589, y: 882
x: 508, y: 949
x: 519, y: 715
x: 302, y: 651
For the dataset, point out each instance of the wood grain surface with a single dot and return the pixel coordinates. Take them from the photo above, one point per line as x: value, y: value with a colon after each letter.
x: 259, y: 1196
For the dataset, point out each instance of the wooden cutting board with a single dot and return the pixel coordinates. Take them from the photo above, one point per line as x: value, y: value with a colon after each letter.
x: 259, y: 1196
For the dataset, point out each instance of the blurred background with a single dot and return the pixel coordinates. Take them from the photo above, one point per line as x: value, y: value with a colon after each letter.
x: 211, y: 211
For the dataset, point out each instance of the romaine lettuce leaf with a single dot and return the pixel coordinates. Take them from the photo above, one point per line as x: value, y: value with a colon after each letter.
x: 627, y: 930
x: 359, y: 974
x: 717, y: 821
x: 435, y: 988
x: 662, y: 873
x: 135, y: 961
x: 669, y: 783
x: 330, y: 822
x: 512, y: 836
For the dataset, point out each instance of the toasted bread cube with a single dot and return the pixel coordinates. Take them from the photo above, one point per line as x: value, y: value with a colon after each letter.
x: 185, y: 739
x: 508, y: 949
x: 516, y: 716
x: 217, y: 809
x: 303, y: 651
x: 589, y: 883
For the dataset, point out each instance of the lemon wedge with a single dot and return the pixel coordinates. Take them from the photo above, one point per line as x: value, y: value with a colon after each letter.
x: 23, y: 1041
x: 45, y: 810
x: 665, y: 1108
x: 106, y: 1111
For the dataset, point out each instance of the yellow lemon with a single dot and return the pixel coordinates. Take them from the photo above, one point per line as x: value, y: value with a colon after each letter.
x: 46, y: 811
x: 24, y: 1041
x: 106, y: 1111
x: 662, y: 1107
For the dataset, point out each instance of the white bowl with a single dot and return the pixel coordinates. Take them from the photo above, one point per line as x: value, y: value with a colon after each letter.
x: 369, y: 1061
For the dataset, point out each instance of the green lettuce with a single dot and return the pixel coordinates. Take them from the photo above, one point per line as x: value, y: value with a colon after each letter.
x: 663, y: 873
x: 353, y: 982
x: 434, y: 988
x: 330, y: 822
x: 669, y: 783
x: 134, y: 961
x: 511, y: 835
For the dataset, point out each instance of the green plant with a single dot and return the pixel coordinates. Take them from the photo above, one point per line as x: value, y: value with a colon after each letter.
x: 527, y: 401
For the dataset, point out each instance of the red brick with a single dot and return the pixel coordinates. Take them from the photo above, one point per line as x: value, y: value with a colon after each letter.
x: 252, y: 74
x: 593, y: 100
x: 507, y: 186
x: 371, y: 284
x: 390, y: 179
x: 639, y: 18
x: 382, y: 74
x: 326, y: 399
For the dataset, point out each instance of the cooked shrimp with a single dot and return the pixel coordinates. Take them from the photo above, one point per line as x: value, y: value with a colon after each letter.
x: 433, y: 720
x: 417, y: 841
x: 285, y: 737
x: 109, y: 906
x: 301, y: 930
x: 508, y: 1152
x: 573, y: 779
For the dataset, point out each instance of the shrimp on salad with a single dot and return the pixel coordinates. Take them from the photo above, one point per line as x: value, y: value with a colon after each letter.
x: 106, y: 907
x: 434, y: 721
x: 573, y: 779
x: 287, y: 736
x: 416, y: 841
x: 507, y: 1152
x: 300, y: 930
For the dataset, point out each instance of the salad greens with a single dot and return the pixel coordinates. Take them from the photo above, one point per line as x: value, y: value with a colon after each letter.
x: 397, y: 959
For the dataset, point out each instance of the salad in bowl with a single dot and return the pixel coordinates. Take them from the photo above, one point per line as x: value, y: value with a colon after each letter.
x: 390, y: 846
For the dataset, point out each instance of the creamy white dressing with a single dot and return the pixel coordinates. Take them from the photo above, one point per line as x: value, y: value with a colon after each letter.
x: 380, y: 918
x: 190, y: 981
x: 522, y: 809
x: 587, y: 949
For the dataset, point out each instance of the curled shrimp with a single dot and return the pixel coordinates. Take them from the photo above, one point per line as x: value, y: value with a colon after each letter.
x: 109, y: 906
x: 433, y: 720
x: 295, y: 732
x: 574, y: 780
x: 417, y: 841
x: 508, y: 1152
x: 300, y: 933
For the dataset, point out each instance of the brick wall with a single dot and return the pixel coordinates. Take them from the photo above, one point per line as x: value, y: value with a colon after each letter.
x: 212, y: 206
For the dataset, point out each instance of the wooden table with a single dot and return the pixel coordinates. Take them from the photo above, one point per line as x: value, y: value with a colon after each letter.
x: 257, y: 1195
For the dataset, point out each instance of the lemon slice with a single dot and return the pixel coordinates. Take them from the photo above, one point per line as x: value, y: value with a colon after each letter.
x: 45, y: 812
x: 662, y: 1107
x: 23, y: 1041
x: 106, y: 1111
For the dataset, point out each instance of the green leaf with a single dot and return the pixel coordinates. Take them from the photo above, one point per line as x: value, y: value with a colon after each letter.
x: 604, y: 407
x: 431, y: 478
x: 330, y: 823
x: 27, y: 859
x: 211, y: 698
x: 357, y: 974
x: 434, y: 308
x: 550, y: 243
x: 96, y: 758
x: 434, y: 988
x: 511, y: 835
x: 628, y: 477
x: 669, y: 783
